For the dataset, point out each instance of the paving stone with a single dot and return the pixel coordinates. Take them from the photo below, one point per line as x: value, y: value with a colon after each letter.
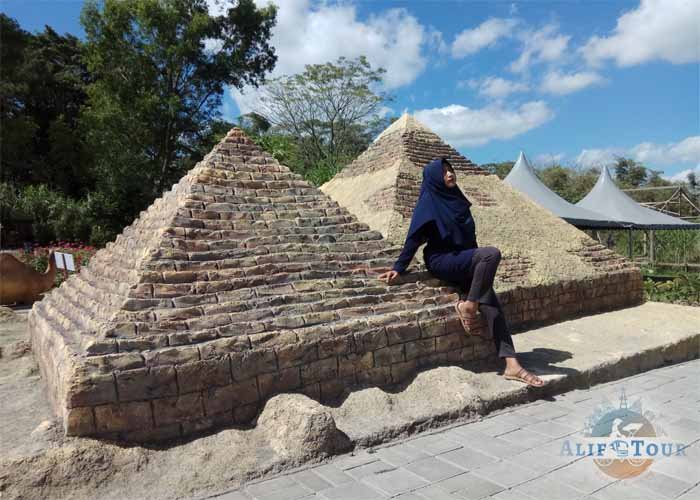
x: 663, y: 485
x: 376, y: 467
x: 583, y: 475
x: 400, y: 454
x: 408, y: 496
x: 541, y: 461
x: 283, y: 488
x: 554, y: 449
x: 525, y: 437
x: 545, y: 411
x: 511, y: 495
x: 352, y: 491
x: 311, y: 480
x: 233, y: 495
x: 546, y: 487
x: 434, y: 444
x: 395, y: 481
x: 470, y: 486
x: 692, y: 494
x: 680, y: 467
x: 333, y: 474
x: 505, y: 473
x: 495, y: 447
x: 434, y: 492
x: 356, y: 459
x: 551, y: 429
x: 622, y: 489
x: 433, y: 469
x: 467, y: 458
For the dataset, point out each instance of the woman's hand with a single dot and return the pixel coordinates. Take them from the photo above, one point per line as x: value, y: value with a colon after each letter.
x: 389, y: 276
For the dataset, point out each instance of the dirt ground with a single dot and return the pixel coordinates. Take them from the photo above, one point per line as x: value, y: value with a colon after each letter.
x: 37, y: 461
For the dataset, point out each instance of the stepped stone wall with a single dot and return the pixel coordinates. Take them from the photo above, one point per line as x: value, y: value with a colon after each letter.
x: 242, y: 282
x: 549, y: 270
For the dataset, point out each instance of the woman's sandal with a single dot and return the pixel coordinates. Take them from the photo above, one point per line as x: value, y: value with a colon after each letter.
x: 525, y: 376
x: 473, y: 324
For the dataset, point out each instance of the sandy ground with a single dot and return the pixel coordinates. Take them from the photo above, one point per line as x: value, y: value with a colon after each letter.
x: 38, y: 462
x: 293, y: 430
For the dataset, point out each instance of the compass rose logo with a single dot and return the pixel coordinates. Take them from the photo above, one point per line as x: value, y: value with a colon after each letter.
x: 622, y: 441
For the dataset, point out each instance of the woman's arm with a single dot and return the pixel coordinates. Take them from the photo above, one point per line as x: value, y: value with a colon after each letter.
x: 409, y: 250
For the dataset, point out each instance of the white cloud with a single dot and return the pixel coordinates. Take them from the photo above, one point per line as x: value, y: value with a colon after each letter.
x: 463, y: 126
x: 684, y: 152
x: 543, y: 45
x: 309, y: 34
x: 598, y: 157
x: 666, y: 30
x: 558, y: 83
x: 495, y: 87
x: 486, y: 34
x: 682, y: 176
x: 548, y: 159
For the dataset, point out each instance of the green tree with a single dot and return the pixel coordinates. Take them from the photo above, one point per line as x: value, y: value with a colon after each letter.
x: 629, y: 173
x: 160, y: 69
x: 331, y: 109
x: 42, y: 88
x: 500, y: 169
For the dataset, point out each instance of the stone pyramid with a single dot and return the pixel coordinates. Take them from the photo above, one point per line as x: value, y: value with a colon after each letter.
x: 381, y: 186
x: 550, y: 270
x: 241, y: 282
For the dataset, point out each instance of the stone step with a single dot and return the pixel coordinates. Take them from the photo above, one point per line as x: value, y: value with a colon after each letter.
x: 579, y: 355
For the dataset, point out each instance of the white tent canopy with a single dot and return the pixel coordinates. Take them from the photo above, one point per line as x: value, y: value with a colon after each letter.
x: 607, y: 198
x: 523, y: 178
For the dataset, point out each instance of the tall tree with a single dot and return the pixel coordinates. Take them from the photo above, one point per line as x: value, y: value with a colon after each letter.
x: 332, y: 108
x: 629, y: 173
x: 161, y: 67
x: 43, y: 82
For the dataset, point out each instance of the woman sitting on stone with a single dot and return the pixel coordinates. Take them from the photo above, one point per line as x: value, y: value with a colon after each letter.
x: 443, y: 219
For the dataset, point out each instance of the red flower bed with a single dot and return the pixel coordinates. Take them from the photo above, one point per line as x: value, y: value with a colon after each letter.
x: 38, y: 256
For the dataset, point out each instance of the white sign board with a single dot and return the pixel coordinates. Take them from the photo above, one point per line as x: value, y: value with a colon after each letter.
x: 64, y: 261
x: 70, y: 263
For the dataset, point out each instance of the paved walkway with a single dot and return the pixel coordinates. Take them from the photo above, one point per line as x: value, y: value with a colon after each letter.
x: 515, y: 453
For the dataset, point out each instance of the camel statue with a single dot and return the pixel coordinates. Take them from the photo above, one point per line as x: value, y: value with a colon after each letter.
x: 19, y: 283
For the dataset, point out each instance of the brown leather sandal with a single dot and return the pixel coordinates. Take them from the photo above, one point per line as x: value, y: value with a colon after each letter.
x: 473, y: 324
x: 525, y: 376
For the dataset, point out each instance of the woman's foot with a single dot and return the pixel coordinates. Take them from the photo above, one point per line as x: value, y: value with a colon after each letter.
x: 468, y: 307
x: 472, y: 320
x: 521, y: 374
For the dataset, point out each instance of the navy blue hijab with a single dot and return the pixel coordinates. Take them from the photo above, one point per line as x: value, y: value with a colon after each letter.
x: 448, y: 207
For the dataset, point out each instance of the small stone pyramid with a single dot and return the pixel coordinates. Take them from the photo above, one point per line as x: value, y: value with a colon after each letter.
x: 382, y: 185
x: 549, y: 271
x: 241, y: 282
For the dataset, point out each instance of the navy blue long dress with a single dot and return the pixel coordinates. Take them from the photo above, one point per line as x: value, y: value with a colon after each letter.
x: 443, y: 220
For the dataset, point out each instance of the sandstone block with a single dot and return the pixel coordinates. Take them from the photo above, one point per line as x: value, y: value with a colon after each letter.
x: 89, y: 390
x: 397, y: 334
x: 123, y: 417
x: 177, y: 409
x: 389, y: 355
x: 146, y: 383
x: 203, y: 374
x: 223, y: 399
x: 323, y: 369
x: 286, y: 380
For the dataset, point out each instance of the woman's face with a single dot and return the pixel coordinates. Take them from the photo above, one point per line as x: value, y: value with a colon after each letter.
x: 449, y: 177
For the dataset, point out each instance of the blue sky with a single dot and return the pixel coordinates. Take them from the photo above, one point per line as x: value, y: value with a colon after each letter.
x: 576, y: 82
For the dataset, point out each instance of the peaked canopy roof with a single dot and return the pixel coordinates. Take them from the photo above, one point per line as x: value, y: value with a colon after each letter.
x: 523, y: 178
x: 607, y: 198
